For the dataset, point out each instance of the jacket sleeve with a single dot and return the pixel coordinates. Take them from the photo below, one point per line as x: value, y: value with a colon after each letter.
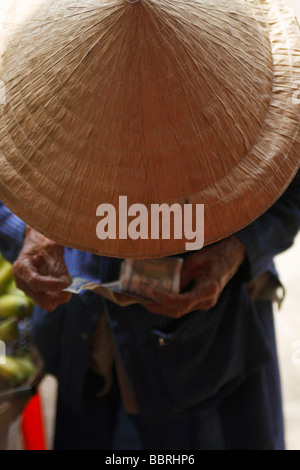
x: 11, y: 234
x: 273, y: 232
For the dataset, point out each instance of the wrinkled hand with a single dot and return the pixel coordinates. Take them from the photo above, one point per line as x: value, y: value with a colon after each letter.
x: 40, y: 271
x: 207, y: 272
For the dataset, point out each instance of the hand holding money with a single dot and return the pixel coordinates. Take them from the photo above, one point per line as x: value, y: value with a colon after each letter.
x: 206, y: 272
x: 40, y: 271
x: 137, y: 281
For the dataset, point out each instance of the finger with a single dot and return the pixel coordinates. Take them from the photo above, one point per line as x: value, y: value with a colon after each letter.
x: 24, y: 287
x: 175, y: 302
x: 51, y: 302
x: 46, y: 301
x: 191, y: 268
x: 203, y: 291
x: 56, y: 268
x: 42, y: 300
x: 208, y: 305
x: 40, y: 283
x: 21, y: 271
x: 65, y: 297
x: 187, y: 277
x: 51, y: 266
x: 27, y: 271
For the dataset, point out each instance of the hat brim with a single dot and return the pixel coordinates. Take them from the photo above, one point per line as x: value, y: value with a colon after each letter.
x: 234, y: 201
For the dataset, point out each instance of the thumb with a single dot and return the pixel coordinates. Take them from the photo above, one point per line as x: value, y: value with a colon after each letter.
x: 189, y: 272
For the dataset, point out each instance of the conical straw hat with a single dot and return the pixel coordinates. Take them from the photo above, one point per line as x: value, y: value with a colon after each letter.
x: 162, y: 101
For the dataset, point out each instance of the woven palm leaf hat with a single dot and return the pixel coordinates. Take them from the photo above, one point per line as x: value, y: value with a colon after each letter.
x: 162, y: 101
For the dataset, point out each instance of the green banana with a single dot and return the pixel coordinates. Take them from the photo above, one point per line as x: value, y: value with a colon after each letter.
x: 6, y: 276
x: 26, y: 363
x: 9, y: 330
x: 30, y: 302
x: 2, y: 260
x: 13, y: 371
x: 13, y: 290
x: 13, y: 305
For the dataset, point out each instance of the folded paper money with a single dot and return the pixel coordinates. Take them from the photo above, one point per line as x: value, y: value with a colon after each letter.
x: 138, y: 281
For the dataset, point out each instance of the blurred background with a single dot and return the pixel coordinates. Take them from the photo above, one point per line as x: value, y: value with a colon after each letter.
x: 288, y: 337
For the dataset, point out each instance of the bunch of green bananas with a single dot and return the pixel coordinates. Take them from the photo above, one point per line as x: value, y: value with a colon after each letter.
x: 9, y: 330
x: 14, y: 307
x: 16, y: 370
x: 13, y: 302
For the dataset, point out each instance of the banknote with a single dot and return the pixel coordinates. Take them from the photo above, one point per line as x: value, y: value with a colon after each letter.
x: 138, y: 280
x: 143, y: 277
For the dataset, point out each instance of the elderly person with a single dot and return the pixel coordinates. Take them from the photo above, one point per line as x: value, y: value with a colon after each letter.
x: 212, y: 383
x: 186, y: 103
